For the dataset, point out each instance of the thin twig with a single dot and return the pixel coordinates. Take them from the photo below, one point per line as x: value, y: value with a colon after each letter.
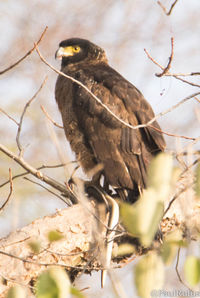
x: 10, y: 193
x: 53, y: 264
x: 172, y: 108
x: 49, y: 117
x: 176, y: 196
x: 22, y: 116
x: 153, y: 60
x: 196, y: 152
x: 176, y: 76
x: 11, y: 118
x: 171, y: 134
x: 39, y: 174
x: 184, y: 74
x: 167, y: 68
x: 185, y: 81
x: 70, y: 254
x: 53, y: 193
x: 39, y: 168
x: 196, y: 98
x: 164, y: 8
x: 177, y: 272
x: 106, y: 108
x: 26, y: 55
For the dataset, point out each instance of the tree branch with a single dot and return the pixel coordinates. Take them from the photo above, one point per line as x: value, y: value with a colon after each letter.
x: 107, y: 109
x: 164, y: 8
x: 27, y: 54
x: 10, y: 193
x: 39, y: 175
x: 22, y: 117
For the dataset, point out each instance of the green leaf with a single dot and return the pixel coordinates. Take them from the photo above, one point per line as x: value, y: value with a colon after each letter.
x: 169, y: 252
x: 128, y: 214
x: 197, y: 184
x: 35, y: 246
x: 149, y: 274
x: 76, y: 293
x: 176, y: 172
x: 124, y: 249
x: 53, y: 283
x: 149, y: 213
x: 54, y: 236
x: 176, y: 237
x: 16, y: 292
x: 142, y: 219
x: 192, y: 270
x: 160, y: 173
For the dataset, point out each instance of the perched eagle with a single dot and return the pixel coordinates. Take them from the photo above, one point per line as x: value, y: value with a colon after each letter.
x: 95, y: 134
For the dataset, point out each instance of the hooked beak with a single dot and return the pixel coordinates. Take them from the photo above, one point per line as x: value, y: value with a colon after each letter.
x: 63, y: 52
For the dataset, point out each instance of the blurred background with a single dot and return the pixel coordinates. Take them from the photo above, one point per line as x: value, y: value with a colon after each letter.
x: 123, y: 29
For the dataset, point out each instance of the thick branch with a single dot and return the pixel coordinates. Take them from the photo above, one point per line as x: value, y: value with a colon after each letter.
x: 72, y: 223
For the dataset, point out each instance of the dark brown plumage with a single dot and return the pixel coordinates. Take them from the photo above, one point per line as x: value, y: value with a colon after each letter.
x: 94, y: 134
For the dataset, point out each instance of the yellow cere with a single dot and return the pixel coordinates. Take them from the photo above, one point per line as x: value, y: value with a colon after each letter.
x: 71, y: 50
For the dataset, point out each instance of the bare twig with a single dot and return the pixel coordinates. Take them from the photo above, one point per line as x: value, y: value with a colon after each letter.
x: 52, y: 192
x: 189, y: 74
x: 107, y: 109
x: 167, y: 68
x: 26, y: 173
x: 11, y: 118
x: 70, y: 254
x: 171, y: 134
x: 39, y: 174
x: 196, y: 98
x: 49, y: 117
x: 26, y: 55
x: 10, y: 193
x: 176, y: 196
x: 164, y: 8
x: 177, y: 272
x: 153, y: 60
x: 22, y: 116
x: 167, y: 73
x: 184, y: 81
x: 172, y: 108
x: 54, y: 264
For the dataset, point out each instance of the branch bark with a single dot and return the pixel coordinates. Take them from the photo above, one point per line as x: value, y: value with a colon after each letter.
x: 70, y: 252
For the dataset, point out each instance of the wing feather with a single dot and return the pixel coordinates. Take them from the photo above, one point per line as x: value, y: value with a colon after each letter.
x: 124, y: 152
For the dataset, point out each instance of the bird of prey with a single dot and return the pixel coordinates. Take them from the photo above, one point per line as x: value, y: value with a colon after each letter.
x: 99, y: 109
x: 94, y: 129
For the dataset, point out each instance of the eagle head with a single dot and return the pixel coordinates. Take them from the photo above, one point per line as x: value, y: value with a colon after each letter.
x: 76, y: 49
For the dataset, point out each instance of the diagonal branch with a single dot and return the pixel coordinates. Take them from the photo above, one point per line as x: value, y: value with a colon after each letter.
x: 10, y: 193
x: 49, y: 117
x: 166, y: 69
x: 164, y: 8
x: 10, y: 117
x: 27, y: 54
x: 38, y: 174
x: 47, y: 189
x: 26, y: 173
x: 107, y: 109
x: 22, y: 117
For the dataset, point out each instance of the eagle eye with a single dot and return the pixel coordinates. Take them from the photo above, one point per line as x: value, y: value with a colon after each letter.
x: 76, y: 49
